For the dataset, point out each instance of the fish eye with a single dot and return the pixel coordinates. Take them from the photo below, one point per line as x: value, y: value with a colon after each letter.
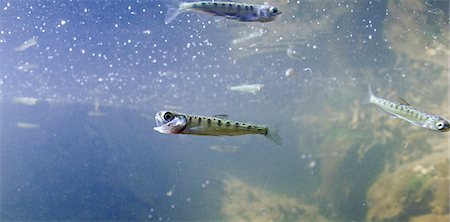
x: 440, y: 125
x: 168, y: 116
x: 274, y: 11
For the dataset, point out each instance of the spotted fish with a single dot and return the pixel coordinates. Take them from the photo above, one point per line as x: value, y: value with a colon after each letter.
x: 231, y: 10
x: 411, y: 114
x: 179, y: 123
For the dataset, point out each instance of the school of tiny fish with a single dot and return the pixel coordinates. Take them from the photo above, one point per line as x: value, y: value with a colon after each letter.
x: 170, y: 122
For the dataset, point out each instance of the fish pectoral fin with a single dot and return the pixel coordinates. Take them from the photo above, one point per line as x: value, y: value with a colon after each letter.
x: 217, y: 18
x: 413, y: 122
x: 197, y: 129
x: 403, y: 101
x: 231, y: 17
x: 221, y: 116
x: 393, y: 117
x: 416, y: 123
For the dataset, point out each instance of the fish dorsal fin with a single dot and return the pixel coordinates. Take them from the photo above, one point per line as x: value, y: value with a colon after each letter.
x: 221, y: 116
x: 403, y: 101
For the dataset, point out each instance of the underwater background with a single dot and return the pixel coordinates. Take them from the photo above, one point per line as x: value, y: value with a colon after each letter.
x: 81, y: 81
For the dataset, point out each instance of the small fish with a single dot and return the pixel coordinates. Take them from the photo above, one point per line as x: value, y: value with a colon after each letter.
x: 224, y: 148
x: 250, y: 36
x: 26, y: 125
x: 411, y: 114
x: 230, y: 10
x: 26, y: 100
x: 26, y: 67
x: 170, y: 122
x: 170, y: 192
x: 292, y: 53
x: 96, y: 112
x: 27, y: 44
x: 291, y: 73
x: 250, y: 88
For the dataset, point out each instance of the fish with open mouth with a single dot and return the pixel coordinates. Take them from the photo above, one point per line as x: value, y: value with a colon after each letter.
x: 170, y: 122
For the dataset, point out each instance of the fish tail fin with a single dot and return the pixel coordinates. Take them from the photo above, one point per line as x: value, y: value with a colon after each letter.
x: 273, y: 136
x: 173, y: 10
x: 370, y: 95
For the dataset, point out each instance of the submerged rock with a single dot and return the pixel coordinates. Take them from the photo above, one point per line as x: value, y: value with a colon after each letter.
x: 243, y: 202
x: 416, y: 190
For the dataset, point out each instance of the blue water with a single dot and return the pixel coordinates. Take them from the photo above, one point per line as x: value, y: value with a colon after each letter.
x: 121, y: 57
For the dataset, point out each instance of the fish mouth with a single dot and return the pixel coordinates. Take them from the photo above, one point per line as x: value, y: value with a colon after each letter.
x: 162, y: 127
x: 159, y: 120
x: 161, y: 124
x: 176, y: 125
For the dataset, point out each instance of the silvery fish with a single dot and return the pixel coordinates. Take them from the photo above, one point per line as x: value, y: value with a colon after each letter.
x: 251, y: 88
x: 411, y: 114
x: 179, y: 123
x: 231, y: 10
x: 252, y: 35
